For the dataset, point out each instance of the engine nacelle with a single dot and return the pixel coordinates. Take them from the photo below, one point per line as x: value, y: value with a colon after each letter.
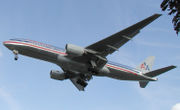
x: 74, y: 50
x: 58, y: 75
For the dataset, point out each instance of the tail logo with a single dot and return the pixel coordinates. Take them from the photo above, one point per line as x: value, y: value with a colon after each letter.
x: 145, y: 66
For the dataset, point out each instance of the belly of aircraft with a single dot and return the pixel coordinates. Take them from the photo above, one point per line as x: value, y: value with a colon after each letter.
x: 64, y: 62
x: 36, y: 53
x: 121, y: 75
x: 71, y: 65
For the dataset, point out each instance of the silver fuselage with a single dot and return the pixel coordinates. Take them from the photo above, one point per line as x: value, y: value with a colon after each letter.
x: 59, y: 56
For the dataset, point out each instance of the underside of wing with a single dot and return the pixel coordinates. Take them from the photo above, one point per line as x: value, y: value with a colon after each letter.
x: 115, y: 41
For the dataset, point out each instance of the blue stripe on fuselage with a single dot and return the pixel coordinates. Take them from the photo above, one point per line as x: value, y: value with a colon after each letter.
x: 39, y: 44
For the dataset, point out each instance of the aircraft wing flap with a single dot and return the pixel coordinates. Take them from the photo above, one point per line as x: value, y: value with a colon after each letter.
x: 115, y: 41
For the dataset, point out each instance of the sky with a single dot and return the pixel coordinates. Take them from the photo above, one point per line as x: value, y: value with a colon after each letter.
x: 26, y: 85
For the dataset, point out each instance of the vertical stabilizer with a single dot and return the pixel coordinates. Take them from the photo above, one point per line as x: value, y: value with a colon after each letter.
x: 146, y: 65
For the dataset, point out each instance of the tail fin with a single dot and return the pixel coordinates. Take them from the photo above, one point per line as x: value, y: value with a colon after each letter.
x: 145, y: 67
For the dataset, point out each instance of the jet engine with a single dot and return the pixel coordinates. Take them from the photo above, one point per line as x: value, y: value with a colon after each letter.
x: 58, y: 75
x: 74, y: 50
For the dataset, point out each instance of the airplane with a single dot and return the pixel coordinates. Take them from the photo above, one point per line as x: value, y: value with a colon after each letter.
x: 80, y: 64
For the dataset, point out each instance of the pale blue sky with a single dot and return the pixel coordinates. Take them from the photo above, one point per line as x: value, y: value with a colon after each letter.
x: 26, y: 85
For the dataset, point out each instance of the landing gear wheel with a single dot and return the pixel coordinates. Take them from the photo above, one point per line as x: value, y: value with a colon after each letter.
x: 82, y: 83
x: 16, y: 58
x: 86, y: 77
x: 15, y: 52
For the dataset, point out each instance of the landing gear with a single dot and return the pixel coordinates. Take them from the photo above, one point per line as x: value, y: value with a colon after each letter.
x: 16, y: 58
x: 82, y: 83
x: 86, y: 77
x: 92, y: 67
x: 15, y: 52
x: 93, y: 64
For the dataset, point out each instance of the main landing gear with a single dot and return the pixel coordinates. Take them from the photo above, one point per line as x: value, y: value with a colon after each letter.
x: 92, y: 67
x: 15, y: 52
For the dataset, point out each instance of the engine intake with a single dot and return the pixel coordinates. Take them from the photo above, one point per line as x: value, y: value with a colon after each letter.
x: 58, y: 75
x: 74, y: 50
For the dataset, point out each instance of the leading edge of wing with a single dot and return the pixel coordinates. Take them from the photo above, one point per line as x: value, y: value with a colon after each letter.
x: 115, y: 41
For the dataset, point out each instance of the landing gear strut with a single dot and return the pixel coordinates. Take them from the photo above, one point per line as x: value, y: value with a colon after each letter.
x: 92, y: 67
x: 82, y: 83
x: 86, y: 77
x: 15, y: 52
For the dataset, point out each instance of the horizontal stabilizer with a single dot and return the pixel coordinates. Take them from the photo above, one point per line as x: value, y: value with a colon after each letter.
x: 159, y: 71
x: 154, y: 73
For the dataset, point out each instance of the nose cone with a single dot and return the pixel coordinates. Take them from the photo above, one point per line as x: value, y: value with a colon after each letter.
x: 5, y: 43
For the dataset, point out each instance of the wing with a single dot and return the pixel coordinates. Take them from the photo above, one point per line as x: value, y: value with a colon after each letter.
x: 115, y: 41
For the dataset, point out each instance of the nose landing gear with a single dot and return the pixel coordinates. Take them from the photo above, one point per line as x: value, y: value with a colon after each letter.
x: 15, y: 52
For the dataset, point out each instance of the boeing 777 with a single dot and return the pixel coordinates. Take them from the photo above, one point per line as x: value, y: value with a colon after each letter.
x: 80, y: 64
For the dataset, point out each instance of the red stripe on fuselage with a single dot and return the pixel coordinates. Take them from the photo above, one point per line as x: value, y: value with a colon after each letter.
x: 62, y: 53
x: 118, y: 68
x: 32, y: 45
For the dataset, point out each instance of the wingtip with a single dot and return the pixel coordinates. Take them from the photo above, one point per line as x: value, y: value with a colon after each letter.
x: 157, y: 15
x: 173, y: 66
